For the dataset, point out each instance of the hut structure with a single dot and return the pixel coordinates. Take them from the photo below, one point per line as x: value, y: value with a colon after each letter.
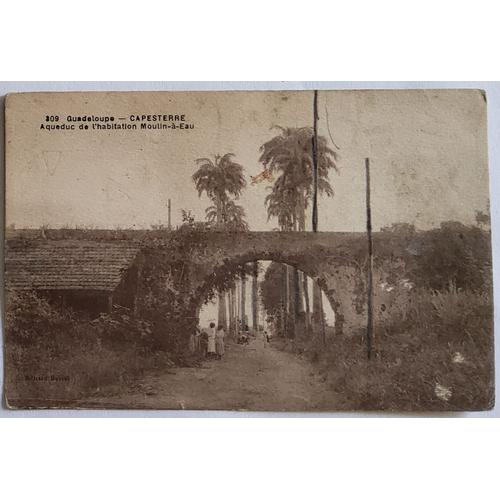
x: 85, y: 275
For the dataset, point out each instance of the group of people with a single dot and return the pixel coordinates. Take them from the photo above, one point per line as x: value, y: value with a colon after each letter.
x: 208, y: 343
x: 245, y: 334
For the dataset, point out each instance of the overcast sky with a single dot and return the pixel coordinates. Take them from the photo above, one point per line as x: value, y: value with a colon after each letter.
x: 427, y: 149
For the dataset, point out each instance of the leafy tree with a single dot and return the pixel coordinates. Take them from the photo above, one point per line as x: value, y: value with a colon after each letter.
x: 456, y: 255
x: 289, y: 155
x: 272, y: 297
x: 219, y: 180
x: 222, y: 180
x: 234, y: 216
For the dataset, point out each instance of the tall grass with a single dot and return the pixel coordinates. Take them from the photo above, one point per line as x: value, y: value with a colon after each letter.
x: 433, y: 352
x: 59, y: 356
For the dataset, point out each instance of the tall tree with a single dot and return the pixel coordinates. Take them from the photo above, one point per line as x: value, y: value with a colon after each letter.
x: 289, y: 155
x: 272, y: 296
x: 235, y: 220
x: 222, y: 180
x: 281, y: 205
x: 243, y: 299
x: 255, y: 309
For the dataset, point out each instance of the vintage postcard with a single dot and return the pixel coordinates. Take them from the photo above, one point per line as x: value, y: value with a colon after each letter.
x: 266, y: 251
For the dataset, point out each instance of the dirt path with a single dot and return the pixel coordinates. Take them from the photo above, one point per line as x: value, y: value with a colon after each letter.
x: 252, y: 377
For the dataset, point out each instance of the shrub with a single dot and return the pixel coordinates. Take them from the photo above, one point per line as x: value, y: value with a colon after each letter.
x: 59, y: 355
x: 442, y: 340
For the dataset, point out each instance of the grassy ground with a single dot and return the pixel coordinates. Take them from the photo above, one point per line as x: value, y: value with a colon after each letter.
x: 437, y: 354
x: 55, y: 356
x: 36, y: 379
x: 433, y: 351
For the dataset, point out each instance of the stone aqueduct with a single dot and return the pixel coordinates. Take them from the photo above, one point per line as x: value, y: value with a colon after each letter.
x: 192, y: 262
x: 336, y: 261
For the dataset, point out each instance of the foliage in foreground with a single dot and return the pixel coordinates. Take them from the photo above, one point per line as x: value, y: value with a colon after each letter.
x: 58, y: 355
x: 437, y: 355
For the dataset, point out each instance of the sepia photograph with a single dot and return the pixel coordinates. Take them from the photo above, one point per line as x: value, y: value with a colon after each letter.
x: 285, y: 251
x: 249, y: 249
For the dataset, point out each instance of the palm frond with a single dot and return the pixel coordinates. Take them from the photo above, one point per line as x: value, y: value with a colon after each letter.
x: 289, y: 153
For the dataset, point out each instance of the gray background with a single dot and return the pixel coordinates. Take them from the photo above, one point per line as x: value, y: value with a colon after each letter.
x: 493, y: 96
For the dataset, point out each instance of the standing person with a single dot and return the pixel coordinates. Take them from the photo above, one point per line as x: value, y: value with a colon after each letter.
x: 211, y: 341
x: 219, y: 341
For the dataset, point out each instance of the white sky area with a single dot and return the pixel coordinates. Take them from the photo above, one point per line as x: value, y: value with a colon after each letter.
x: 427, y: 149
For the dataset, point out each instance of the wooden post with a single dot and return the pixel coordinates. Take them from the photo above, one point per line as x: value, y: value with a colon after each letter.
x: 315, y: 163
x: 318, y: 291
x: 369, y: 325
x: 169, y: 214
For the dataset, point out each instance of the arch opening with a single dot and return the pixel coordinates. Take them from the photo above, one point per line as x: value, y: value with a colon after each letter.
x: 249, y: 299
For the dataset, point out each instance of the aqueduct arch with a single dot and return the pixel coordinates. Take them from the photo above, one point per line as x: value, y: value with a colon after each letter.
x: 174, y: 269
x: 327, y: 258
x: 227, y: 271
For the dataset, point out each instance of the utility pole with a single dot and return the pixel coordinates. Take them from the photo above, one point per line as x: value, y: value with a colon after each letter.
x: 169, y: 214
x: 315, y: 163
x: 369, y: 325
x: 315, y: 197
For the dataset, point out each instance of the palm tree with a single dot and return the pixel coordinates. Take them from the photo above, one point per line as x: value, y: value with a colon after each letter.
x: 289, y: 154
x: 235, y: 221
x: 234, y: 216
x: 281, y: 204
x: 243, y: 299
x: 220, y: 180
x: 255, y: 276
